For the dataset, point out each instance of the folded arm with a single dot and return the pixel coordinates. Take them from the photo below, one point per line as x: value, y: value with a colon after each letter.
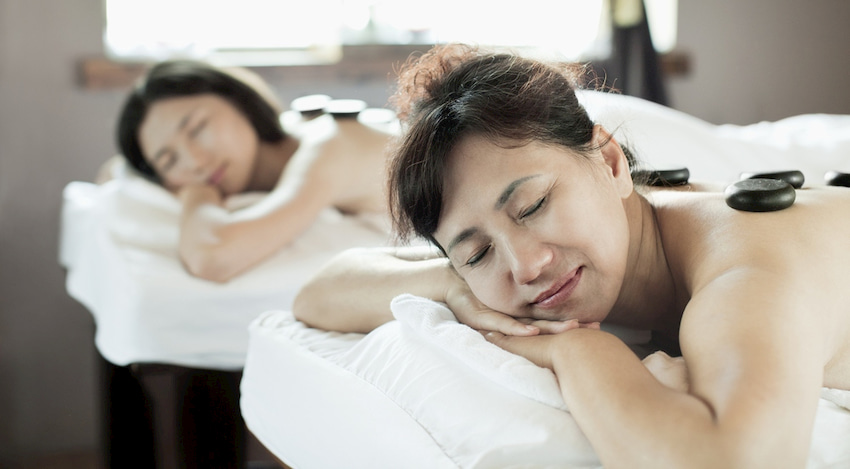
x: 217, y: 245
x: 755, y: 371
x: 352, y: 293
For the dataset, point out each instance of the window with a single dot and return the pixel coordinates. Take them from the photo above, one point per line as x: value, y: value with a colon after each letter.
x: 662, y: 16
x: 275, y: 32
x: 244, y: 32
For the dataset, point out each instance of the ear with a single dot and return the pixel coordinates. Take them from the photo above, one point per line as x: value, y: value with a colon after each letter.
x: 615, y: 159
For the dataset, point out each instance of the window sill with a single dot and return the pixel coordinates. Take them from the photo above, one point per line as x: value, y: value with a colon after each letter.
x: 358, y: 63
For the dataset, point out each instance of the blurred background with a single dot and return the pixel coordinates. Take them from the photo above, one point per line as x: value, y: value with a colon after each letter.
x: 62, y: 81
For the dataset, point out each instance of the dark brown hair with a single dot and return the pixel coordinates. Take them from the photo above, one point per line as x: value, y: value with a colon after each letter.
x: 455, y: 90
x: 176, y: 78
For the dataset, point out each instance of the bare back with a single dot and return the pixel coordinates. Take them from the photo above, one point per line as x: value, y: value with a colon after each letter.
x: 808, y: 244
x: 347, y: 158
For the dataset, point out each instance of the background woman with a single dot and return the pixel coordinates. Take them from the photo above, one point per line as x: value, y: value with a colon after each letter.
x: 207, y: 134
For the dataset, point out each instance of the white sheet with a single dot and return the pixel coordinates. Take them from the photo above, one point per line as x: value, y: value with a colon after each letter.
x: 665, y: 138
x: 119, y: 245
x: 432, y: 393
x: 321, y: 399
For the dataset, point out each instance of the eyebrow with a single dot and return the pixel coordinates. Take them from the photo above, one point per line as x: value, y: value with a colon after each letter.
x: 182, y: 125
x: 503, y: 199
x: 506, y: 194
x: 463, y: 236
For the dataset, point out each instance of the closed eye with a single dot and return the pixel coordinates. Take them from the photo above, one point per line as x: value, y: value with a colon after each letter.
x: 198, y: 128
x: 531, y: 210
x: 478, y: 256
x: 167, y: 161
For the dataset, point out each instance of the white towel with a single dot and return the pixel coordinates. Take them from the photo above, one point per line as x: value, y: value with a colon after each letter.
x: 119, y: 244
x: 839, y: 397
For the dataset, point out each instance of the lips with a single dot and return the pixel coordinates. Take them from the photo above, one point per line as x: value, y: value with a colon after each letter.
x: 217, y: 175
x: 560, y: 292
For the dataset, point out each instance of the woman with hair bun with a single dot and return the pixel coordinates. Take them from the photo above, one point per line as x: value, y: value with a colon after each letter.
x: 541, y: 235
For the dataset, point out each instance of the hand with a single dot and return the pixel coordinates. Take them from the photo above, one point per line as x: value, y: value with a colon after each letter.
x: 538, y: 349
x: 475, y: 314
x: 197, y: 194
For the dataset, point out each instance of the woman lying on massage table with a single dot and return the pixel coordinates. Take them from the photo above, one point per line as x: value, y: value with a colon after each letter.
x: 536, y: 214
x: 206, y: 134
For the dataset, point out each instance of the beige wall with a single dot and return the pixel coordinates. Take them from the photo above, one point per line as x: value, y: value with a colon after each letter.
x: 752, y: 60
x: 763, y: 59
x: 50, y: 133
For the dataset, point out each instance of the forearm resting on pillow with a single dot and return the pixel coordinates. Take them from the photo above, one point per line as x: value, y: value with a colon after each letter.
x: 352, y: 293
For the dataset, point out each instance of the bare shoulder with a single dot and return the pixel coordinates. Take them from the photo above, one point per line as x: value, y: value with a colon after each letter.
x: 344, y: 156
x: 343, y: 143
x: 697, y: 226
x: 795, y: 259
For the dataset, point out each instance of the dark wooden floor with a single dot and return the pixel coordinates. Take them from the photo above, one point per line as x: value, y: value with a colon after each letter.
x: 71, y: 460
x: 159, y: 386
x: 258, y: 458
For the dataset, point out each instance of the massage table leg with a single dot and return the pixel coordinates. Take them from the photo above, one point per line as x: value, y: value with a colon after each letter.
x: 127, y: 433
x: 164, y: 416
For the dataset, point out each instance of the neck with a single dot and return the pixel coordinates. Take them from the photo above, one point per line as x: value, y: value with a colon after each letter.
x: 648, y: 296
x: 271, y: 160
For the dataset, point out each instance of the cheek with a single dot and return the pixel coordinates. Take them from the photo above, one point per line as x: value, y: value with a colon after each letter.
x: 612, y: 249
x: 235, y: 136
x: 602, y: 232
x: 175, y: 179
x: 489, y: 290
x: 171, y: 184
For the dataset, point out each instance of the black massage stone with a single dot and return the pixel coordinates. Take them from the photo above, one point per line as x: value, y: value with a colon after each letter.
x: 664, y: 177
x: 760, y: 195
x: 836, y: 178
x: 794, y: 178
x: 345, y: 108
x: 311, y: 105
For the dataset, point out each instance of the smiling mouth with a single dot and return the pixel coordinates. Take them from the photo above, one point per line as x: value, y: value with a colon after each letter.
x: 560, y: 292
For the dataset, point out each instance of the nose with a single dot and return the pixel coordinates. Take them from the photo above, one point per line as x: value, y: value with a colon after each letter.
x: 200, y: 157
x: 527, y: 259
x: 196, y: 160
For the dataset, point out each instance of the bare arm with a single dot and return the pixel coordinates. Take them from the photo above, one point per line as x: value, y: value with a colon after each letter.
x: 335, y: 165
x: 217, y: 245
x: 352, y: 293
x: 755, y: 369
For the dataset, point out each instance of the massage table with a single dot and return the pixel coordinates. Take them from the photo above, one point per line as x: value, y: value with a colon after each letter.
x: 155, y: 323
x: 424, y: 391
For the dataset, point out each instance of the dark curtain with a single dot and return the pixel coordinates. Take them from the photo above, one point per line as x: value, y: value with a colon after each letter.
x: 634, y: 67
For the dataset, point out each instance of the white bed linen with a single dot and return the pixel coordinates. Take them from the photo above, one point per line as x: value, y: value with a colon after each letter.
x: 119, y: 245
x: 433, y: 393
x: 392, y: 399
x: 664, y: 138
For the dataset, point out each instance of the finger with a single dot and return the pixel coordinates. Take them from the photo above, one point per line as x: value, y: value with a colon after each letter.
x: 555, y: 327
x: 494, y: 321
x: 494, y: 337
x: 508, y: 342
x: 590, y: 325
x: 511, y: 343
